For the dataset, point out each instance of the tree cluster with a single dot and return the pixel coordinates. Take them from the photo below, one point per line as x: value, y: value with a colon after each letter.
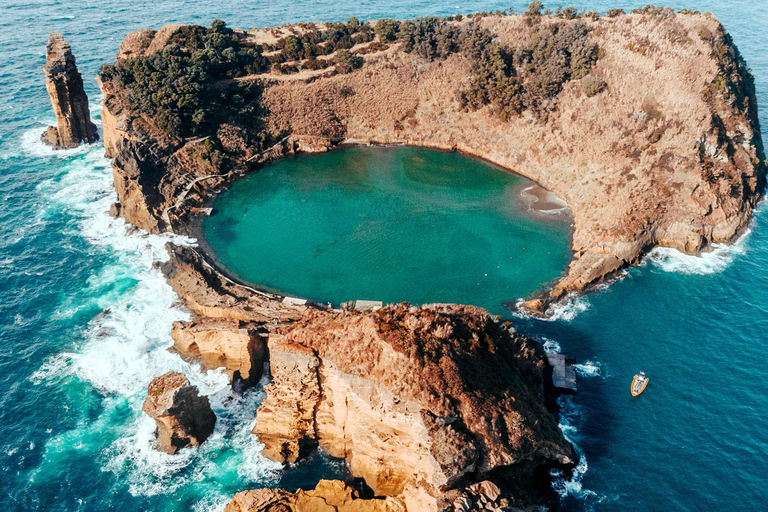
x: 181, y: 86
x: 512, y: 79
x: 313, y: 42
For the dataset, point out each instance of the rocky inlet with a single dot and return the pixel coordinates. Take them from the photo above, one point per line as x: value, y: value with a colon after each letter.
x: 68, y: 98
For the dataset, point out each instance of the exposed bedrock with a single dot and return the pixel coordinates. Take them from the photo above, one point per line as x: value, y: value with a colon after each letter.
x: 327, y: 496
x: 418, y: 400
x: 668, y: 154
x: 183, y: 417
x: 238, y: 347
x: 68, y: 98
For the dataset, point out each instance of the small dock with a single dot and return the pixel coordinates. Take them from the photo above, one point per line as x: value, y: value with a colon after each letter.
x: 367, y: 305
x: 563, y: 373
x: 294, y: 301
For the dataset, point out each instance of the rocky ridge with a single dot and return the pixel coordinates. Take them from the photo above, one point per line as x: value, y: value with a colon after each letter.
x: 424, y: 400
x: 68, y: 98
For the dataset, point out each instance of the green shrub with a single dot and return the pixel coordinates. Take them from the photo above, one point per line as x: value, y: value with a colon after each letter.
x: 534, y: 8
x: 614, y: 13
x: 592, y: 85
x: 387, y: 29
x: 432, y: 38
x: 347, y: 61
x: 175, y: 84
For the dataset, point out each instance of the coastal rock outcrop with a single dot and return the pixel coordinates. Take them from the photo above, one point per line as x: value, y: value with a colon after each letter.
x: 238, y: 347
x: 184, y: 417
x: 209, y: 294
x: 327, y: 496
x: 419, y: 400
x: 68, y: 98
x: 666, y: 153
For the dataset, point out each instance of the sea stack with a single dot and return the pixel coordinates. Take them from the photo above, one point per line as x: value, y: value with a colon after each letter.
x: 68, y: 98
x: 183, y: 417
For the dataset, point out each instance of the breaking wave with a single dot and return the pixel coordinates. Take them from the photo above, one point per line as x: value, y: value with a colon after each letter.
x: 716, y: 259
x: 565, y: 309
x: 125, y: 346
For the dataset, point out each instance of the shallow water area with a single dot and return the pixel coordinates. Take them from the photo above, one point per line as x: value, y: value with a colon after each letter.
x: 387, y: 223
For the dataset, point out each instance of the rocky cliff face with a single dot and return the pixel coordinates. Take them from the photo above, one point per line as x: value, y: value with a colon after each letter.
x: 425, y: 402
x: 418, y: 400
x: 183, y: 417
x: 668, y: 154
x: 238, y: 347
x: 68, y: 98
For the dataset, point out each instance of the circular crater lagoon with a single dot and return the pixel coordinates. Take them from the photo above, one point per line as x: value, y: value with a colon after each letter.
x: 391, y: 224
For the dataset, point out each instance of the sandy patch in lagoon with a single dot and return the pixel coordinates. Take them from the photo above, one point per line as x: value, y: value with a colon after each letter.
x: 541, y: 200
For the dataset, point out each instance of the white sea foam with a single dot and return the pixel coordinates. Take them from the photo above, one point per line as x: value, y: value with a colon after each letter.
x: 125, y: 346
x: 565, y: 309
x: 589, y: 369
x: 716, y: 259
x: 570, y: 415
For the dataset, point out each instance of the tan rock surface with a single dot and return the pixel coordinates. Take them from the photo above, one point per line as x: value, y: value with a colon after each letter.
x: 414, y: 398
x: 238, y: 347
x: 327, y: 496
x: 68, y: 98
x: 183, y: 417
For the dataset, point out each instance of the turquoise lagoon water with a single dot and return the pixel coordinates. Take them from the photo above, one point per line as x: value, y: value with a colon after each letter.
x: 84, y: 318
x: 390, y: 224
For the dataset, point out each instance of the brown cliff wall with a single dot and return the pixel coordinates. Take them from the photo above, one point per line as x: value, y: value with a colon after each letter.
x: 422, y: 400
x: 68, y: 98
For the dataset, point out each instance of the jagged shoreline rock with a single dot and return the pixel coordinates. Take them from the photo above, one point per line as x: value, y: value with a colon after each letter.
x: 68, y: 99
x: 424, y: 400
x: 327, y: 496
x: 184, y: 417
x: 239, y: 347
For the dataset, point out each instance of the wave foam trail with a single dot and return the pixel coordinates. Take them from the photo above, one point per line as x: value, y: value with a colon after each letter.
x: 125, y: 346
x: 570, y: 415
x: 715, y: 260
x: 589, y: 369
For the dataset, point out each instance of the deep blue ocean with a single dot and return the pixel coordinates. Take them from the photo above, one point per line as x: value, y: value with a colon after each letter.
x: 85, y: 320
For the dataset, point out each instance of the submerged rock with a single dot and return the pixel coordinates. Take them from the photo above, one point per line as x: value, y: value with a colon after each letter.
x: 68, y: 98
x: 328, y: 496
x: 184, y: 417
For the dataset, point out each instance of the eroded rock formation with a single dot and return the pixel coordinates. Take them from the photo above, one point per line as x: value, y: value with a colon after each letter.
x: 424, y: 402
x: 327, y: 496
x: 416, y: 399
x: 183, y: 417
x: 238, y: 347
x: 68, y: 98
